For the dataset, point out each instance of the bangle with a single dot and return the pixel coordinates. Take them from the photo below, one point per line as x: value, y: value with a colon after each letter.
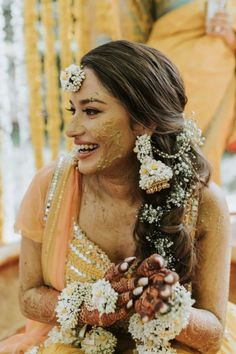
x: 154, y: 336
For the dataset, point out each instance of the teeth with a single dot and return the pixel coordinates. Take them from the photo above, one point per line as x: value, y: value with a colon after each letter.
x: 87, y: 147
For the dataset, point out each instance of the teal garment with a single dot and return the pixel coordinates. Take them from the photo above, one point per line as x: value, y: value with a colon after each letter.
x: 164, y: 6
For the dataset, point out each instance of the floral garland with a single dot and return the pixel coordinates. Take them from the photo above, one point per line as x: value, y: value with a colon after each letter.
x: 154, y: 336
x: 151, y: 337
x: 6, y: 145
x: 180, y: 170
x: 100, y: 296
x: 66, y: 58
x: 20, y: 81
x: 50, y: 72
x: 33, y: 65
x: 82, y: 32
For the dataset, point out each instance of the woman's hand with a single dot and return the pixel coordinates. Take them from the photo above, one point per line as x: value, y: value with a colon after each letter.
x: 159, y: 290
x: 221, y: 25
x: 117, y: 275
x: 144, y: 289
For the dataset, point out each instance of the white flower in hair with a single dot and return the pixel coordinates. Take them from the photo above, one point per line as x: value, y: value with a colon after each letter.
x: 154, y: 175
x: 72, y: 77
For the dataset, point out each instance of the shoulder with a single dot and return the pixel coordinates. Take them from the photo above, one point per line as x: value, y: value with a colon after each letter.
x: 212, y: 207
x: 213, y: 195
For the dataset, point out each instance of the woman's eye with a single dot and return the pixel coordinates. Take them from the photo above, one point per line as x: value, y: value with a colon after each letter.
x: 91, y: 111
x: 71, y: 109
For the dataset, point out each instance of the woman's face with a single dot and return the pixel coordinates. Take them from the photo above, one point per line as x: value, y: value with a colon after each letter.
x: 101, y: 129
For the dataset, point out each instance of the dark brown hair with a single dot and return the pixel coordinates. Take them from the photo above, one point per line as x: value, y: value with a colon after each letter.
x: 150, y: 87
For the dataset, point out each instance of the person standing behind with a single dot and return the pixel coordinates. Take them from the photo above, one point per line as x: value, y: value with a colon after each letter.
x: 203, y: 48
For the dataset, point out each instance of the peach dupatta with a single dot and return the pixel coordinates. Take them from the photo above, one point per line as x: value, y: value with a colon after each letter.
x: 56, y: 236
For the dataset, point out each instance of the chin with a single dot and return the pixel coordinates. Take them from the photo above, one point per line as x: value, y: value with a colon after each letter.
x: 87, y: 168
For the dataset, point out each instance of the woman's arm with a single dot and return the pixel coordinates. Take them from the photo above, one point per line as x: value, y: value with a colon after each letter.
x: 37, y: 301
x: 211, y: 280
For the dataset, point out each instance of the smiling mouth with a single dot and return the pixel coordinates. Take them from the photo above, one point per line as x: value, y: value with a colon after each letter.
x: 86, y: 148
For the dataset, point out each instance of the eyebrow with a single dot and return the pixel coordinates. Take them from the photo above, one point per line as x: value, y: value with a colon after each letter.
x: 89, y: 100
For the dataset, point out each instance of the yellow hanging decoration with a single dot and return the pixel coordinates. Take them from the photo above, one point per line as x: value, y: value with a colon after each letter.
x: 51, y: 79
x: 33, y: 66
x: 115, y: 23
x: 82, y: 32
x: 104, y: 19
x: 66, y: 57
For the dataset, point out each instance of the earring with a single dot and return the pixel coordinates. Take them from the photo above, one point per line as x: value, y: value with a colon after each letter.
x: 154, y: 174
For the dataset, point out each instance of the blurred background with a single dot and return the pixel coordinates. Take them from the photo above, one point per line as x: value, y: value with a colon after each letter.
x: 38, y: 38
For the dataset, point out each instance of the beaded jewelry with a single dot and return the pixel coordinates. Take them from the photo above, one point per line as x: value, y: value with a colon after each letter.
x: 154, y: 175
x: 72, y: 78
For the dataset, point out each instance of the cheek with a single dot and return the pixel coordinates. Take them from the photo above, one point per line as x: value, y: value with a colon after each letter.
x: 114, y: 141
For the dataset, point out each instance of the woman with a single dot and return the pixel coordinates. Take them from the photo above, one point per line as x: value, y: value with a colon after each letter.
x: 134, y: 193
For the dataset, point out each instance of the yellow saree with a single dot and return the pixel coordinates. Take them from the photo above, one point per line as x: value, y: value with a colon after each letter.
x: 57, y: 257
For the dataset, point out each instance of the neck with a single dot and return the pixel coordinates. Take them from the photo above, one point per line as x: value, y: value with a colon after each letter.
x: 121, y: 184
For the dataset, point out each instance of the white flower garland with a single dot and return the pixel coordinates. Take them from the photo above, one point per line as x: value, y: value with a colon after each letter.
x: 21, y: 94
x: 99, y: 341
x: 7, y: 163
x: 97, y: 296
x: 95, y: 341
x: 154, y: 336
x: 103, y: 297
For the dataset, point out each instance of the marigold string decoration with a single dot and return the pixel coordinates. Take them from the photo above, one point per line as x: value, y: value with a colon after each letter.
x: 65, y: 21
x: 34, y: 75
x: 51, y: 79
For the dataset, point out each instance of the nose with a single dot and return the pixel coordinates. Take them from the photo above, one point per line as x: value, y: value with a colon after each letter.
x: 75, y: 127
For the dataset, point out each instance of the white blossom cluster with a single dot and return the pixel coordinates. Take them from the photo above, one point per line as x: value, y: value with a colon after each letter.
x: 99, y: 341
x: 153, y: 172
x: 143, y: 147
x: 151, y: 214
x: 72, y: 78
x: 95, y: 341
x: 154, y: 336
x: 69, y: 302
x: 32, y: 350
x: 103, y: 297
x: 193, y: 132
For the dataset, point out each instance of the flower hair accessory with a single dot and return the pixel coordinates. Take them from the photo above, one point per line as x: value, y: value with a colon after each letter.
x: 72, y: 78
x: 154, y: 175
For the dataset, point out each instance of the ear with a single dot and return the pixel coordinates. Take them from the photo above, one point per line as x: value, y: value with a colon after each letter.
x: 139, y: 129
